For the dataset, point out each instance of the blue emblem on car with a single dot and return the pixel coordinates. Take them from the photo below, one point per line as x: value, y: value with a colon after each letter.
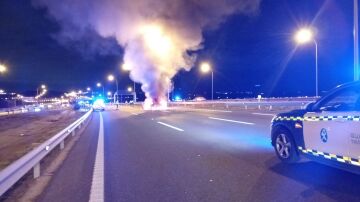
x: 323, y: 135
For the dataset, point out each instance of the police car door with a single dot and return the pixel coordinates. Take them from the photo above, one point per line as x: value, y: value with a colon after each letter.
x: 329, y: 128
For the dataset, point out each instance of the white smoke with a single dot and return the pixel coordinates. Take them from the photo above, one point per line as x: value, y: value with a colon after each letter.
x: 156, y: 34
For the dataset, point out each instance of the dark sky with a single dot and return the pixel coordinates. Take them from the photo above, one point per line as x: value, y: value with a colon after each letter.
x: 245, y: 51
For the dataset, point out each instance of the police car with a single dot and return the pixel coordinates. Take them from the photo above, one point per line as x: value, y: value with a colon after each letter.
x: 328, y: 130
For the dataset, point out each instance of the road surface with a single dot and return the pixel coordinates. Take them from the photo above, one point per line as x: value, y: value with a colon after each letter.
x: 178, y: 155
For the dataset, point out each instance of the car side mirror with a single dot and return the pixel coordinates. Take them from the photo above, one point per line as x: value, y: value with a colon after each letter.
x: 310, y: 107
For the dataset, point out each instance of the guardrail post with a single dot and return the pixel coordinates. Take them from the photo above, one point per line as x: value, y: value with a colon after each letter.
x: 37, y: 170
x: 270, y: 108
x: 62, y: 145
x: 245, y: 107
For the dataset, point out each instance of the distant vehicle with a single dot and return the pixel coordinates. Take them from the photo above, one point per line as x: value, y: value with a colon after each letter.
x: 199, y: 99
x: 99, y: 105
x: 327, y: 131
x: 82, y: 104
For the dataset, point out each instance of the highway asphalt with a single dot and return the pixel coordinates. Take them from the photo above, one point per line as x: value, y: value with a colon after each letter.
x: 189, y: 155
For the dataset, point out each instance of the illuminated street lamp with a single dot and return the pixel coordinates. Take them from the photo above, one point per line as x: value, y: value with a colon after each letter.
x: 127, y: 67
x: 2, y: 91
x: 129, y: 89
x: 304, y: 36
x: 3, y: 68
x: 206, y: 68
x: 79, y: 91
x: 112, y: 78
x: 88, y: 89
x: 43, y: 87
x: 109, y: 93
x: 98, y: 84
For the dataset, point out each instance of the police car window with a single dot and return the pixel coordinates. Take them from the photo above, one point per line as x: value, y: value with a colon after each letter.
x: 346, y: 100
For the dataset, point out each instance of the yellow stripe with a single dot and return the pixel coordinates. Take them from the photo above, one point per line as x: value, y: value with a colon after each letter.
x: 342, y: 159
x: 346, y: 158
x: 332, y: 155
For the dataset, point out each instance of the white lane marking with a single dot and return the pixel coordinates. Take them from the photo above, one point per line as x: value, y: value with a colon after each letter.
x: 264, y: 114
x: 214, y: 110
x: 233, y: 121
x: 97, y: 185
x: 170, y: 126
x: 134, y: 114
x: 205, y: 110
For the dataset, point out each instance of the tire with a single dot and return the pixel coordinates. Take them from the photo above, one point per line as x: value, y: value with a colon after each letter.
x: 285, y: 147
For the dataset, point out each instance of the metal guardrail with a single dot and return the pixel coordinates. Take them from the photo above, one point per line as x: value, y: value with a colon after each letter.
x: 248, y: 103
x: 15, y: 171
x: 28, y: 108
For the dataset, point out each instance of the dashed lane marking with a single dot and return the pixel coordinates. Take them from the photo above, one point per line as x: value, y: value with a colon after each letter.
x: 204, y: 110
x: 264, y: 114
x: 170, y: 126
x: 232, y: 121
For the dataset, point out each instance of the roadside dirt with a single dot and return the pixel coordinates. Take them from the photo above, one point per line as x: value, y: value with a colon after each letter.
x: 20, y: 133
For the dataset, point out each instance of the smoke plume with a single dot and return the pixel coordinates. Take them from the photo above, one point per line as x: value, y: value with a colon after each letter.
x: 156, y: 35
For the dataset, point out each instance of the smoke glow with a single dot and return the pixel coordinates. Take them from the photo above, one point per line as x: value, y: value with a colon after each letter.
x: 156, y: 35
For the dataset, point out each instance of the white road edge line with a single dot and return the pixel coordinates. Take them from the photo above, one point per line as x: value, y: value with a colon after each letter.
x: 233, y: 121
x: 97, y: 185
x: 170, y: 126
x: 134, y: 114
x: 264, y: 114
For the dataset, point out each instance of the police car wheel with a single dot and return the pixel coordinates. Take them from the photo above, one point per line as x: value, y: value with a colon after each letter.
x: 285, y: 147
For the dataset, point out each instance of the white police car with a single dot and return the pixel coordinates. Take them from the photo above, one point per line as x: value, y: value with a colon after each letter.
x: 99, y: 105
x: 328, y: 130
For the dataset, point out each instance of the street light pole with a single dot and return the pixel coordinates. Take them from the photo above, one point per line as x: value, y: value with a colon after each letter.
x: 212, y: 85
x: 134, y: 92
x: 356, y: 41
x: 117, y: 90
x: 205, y: 68
x: 305, y: 35
x: 127, y: 68
x: 316, y: 69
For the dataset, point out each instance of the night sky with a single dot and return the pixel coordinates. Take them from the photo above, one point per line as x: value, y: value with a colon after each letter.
x: 249, y: 53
